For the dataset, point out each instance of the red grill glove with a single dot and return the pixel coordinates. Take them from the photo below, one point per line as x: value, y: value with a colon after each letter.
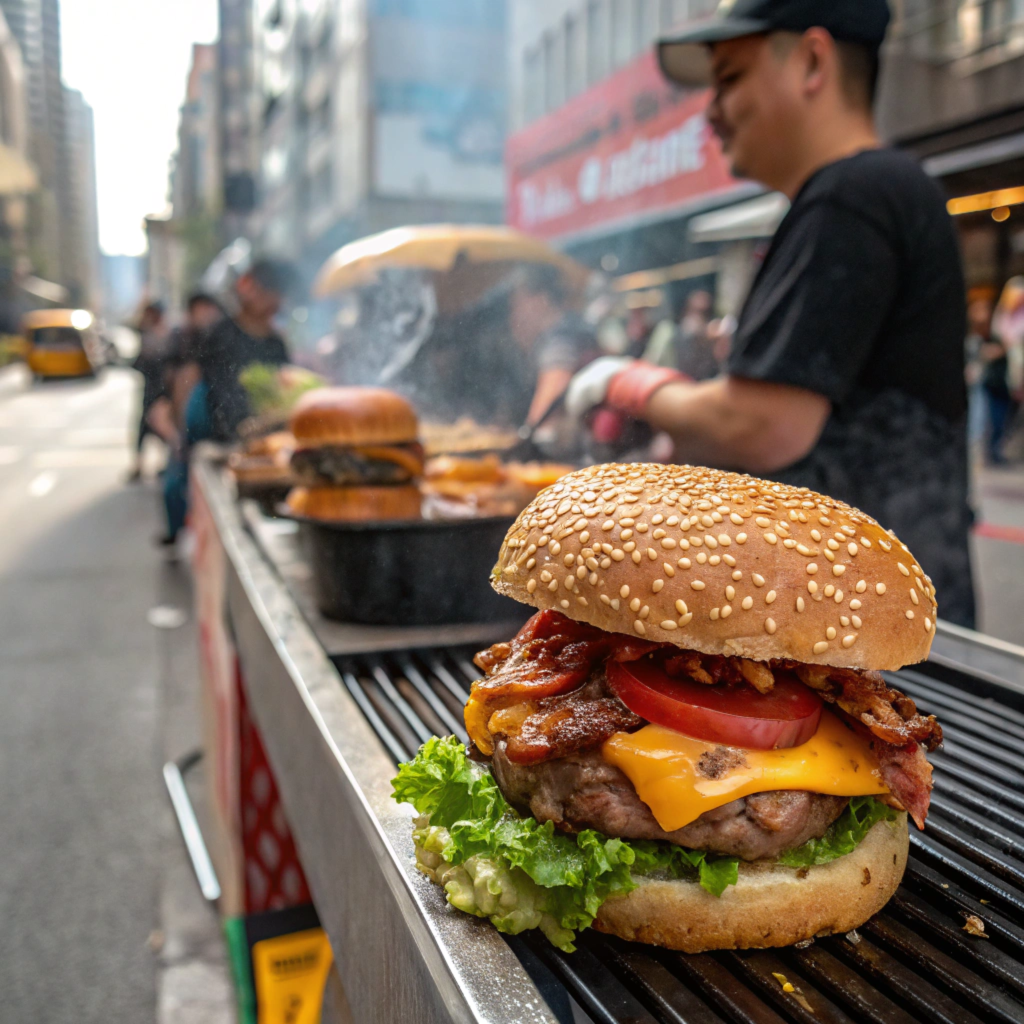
x: 631, y: 389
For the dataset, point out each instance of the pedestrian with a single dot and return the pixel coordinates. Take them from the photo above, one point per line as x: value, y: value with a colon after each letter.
x: 215, y: 360
x: 691, y: 347
x: 150, y: 364
x: 167, y: 416
x: 846, y: 366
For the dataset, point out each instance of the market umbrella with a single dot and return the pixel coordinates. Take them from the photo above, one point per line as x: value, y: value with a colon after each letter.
x: 471, y: 257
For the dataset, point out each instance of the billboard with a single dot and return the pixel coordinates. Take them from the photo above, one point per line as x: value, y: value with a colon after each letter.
x: 631, y: 146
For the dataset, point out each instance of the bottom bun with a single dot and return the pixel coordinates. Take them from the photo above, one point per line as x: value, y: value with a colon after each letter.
x: 770, y: 905
x: 355, y: 504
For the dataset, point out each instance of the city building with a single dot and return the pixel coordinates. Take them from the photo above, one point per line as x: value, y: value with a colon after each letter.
x: 81, y: 232
x: 196, y: 185
x: 375, y: 114
x: 17, y: 176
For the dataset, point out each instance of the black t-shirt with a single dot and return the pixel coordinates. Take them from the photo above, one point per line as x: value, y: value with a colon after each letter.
x: 861, y: 299
x: 222, y: 354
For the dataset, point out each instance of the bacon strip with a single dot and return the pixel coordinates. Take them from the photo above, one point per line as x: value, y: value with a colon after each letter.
x: 551, y: 655
x: 890, y: 715
x: 560, y: 726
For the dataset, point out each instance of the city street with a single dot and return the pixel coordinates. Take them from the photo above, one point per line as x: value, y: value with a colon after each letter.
x: 102, y: 919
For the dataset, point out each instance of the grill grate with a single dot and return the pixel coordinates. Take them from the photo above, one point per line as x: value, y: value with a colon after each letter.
x: 911, y: 964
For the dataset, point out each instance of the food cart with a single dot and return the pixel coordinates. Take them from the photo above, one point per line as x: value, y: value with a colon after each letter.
x: 306, y: 720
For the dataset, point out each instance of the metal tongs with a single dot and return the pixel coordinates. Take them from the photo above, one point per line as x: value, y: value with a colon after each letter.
x: 526, y: 448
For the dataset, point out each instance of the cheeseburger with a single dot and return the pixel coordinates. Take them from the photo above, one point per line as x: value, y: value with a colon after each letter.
x: 357, y: 455
x: 690, y: 743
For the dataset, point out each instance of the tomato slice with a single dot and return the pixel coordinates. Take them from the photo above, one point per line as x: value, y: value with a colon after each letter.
x: 733, y: 714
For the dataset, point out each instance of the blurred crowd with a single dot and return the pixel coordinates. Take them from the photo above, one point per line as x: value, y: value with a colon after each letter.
x: 994, y: 370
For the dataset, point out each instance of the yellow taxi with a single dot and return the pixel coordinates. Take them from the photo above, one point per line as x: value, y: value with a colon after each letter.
x: 61, y: 343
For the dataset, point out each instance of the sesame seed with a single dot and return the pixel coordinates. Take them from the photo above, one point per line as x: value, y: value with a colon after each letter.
x: 789, y: 543
x: 681, y: 607
x: 726, y: 610
x: 615, y: 603
x: 629, y: 547
x: 747, y: 604
x: 625, y: 535
x: 832, y: 545
x: 605, y: 563
x: 707, y: 521
x: 763, y: 522
x: 697, y: 584
x: 917, y: 570
x: 669, y: 569
x: 844, y: 620
x: 545, y: 576
x: 852, y: 548
x: 800, y: 604
x: 730, y: 592
x: 879, y: 589
x: 569, y: 559
x: 816, y: 535
x: 714, y: 613
x: 820, y: 647
x: 771, y: 538
x: 831, y: 632
x: 758, y: 579
x: 865, y: 542
x: 812, y: 568
x: 729, y: 561
x: 769, y: 625
x: 855, y: 604
x: 829, y: 555
x: 857, y: 621
x: 658, y: 534
x: 669, y: 624
x: 531, y: 586
x: 580, y: 599
x: 861, y: 586
x: 668, y: 543
x: 640, y: 627
x: 736, y: 518
x: 564, y: 603
x: 618, y: 555
x: 902, y: 568
x: 684, y: 563
x: 812, y: 586
x: 711, y: 542
x: 592, y: 579
x: 652, y: 554
x: 838, y: 570
x: 769, y: 598
x: 530, y: 563
x: 657, y: 585
x: 885, y: 545
x: 642, y: 527
x: 914, y: 597
x: 607, y: 525
x: 584, y: 537
x: 737, y: 575
x: 714, y: 560
x: 724, y: 539
x: 555, y: 548
x: 928, y: 624
x: 829, y: 590
x: 553, y: 586
x: 849, y: 639
x: 702, y: 558
x: 824, y: 520
x: 581, y: 572
x: 658, y: 519
x: 685, y: 620
x: 636, y: 556
x: 804, y: 550
x: 910, y: 613
x: 644, y: 612
x: 634, y: 605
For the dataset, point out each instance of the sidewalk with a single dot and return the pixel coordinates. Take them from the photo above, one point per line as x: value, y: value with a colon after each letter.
x: 998, y: 549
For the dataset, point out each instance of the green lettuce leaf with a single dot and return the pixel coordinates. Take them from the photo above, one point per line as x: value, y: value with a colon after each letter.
x: 844, y: 835
x: 519, y: 873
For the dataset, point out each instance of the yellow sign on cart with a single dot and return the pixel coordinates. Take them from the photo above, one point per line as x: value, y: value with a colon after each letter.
x: 290, y: 973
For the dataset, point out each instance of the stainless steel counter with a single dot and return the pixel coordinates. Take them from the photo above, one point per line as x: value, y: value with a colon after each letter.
x: 401, y: 952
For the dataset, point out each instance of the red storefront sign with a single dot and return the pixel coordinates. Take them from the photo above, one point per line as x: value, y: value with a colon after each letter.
x: 632, y: 145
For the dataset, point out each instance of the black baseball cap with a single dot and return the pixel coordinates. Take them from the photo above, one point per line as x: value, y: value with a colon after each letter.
x: 684, y: 55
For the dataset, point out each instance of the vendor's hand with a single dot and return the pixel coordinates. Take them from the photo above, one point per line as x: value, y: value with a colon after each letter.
x: 589, y: 388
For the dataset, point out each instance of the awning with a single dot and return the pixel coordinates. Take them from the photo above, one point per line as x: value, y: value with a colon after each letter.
x: 17, y: 175
x: 756, y: 218
x: 970, y: 158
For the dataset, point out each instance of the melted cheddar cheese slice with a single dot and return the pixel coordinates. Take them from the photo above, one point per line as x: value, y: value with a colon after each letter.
x: 680, y: 777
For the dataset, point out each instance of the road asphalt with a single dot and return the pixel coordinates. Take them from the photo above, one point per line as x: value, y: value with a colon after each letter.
x: 102, y: 920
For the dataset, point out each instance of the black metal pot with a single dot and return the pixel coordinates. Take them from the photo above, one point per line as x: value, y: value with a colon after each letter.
x: 408, y: 573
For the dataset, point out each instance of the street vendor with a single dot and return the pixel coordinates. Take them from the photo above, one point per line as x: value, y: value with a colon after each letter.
x: 846, y: 369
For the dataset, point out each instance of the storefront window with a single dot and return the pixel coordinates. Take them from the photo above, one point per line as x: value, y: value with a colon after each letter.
x: 597, y: 41
x: 622, y: 31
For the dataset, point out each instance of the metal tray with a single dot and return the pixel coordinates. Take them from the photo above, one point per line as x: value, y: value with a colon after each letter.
x: 407, y: 572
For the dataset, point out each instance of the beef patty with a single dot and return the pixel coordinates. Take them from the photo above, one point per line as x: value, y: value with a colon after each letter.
x: 348, y: 467
x: 583, y: 791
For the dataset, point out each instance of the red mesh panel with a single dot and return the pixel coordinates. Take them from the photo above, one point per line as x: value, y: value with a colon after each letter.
x: 274, y: 878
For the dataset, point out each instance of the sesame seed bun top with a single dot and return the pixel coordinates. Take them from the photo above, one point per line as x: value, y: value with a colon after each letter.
x: 353, y: 416
x: 720, y: 563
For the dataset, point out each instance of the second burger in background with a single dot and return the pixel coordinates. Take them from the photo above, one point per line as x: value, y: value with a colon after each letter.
x: 357, y: 457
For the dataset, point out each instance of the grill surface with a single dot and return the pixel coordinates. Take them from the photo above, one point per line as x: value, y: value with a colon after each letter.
x: 911, y: 963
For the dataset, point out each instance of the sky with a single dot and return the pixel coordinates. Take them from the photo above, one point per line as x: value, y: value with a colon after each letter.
x: 130, y: 59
